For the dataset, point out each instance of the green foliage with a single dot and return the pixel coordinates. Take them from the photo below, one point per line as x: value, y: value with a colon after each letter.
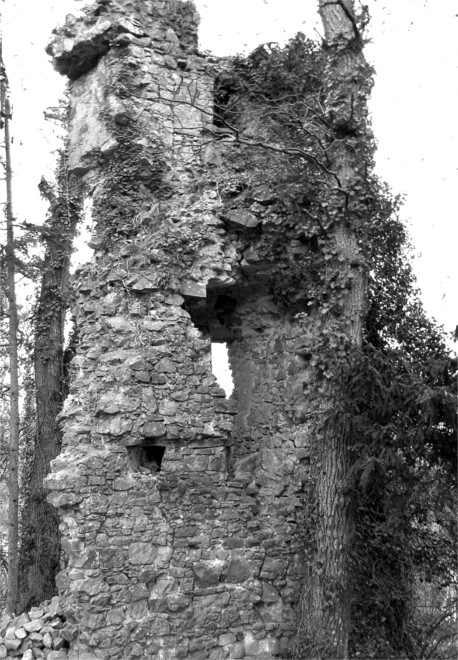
x: 271, y: 76
x: 401, y: 394
x: 123, y: 197
x: 272, y: 102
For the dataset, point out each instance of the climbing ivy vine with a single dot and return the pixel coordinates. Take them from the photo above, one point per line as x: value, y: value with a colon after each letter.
x: 399, y: 410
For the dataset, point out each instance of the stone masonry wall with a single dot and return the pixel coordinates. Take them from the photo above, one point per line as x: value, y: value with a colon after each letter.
x: 180, y: 509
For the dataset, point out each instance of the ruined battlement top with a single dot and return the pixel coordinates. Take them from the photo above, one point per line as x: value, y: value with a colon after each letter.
x: 165, y: 26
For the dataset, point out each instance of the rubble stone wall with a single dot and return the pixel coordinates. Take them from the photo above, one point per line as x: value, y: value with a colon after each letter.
x: 179, y: 507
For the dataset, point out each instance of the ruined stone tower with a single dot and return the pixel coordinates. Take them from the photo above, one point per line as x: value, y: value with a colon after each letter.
x: 178, y: 506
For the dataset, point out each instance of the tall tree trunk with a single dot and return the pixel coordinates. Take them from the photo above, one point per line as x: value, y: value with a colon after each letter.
x: 13, y: 463
x: 324, y: 617
x: 40, y: 547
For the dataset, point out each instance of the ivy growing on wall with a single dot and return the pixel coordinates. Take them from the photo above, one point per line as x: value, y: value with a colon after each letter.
x: 399, y: 410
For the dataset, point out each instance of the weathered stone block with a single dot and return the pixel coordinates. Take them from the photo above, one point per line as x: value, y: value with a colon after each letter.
x: 17, y: 622
x: 58, y: 643
x: 228, y: 406
x: 115, y: 616
x: 34, y: 625
x: 124, y: 24
x: 208, y: 572
x: 237, y: 651
x: 226, y: 638
x: 153, y: 430
x: 142, y: 553
x: 139, y: 609
x: 166, y: 366
x: 269, y: 593
x: 47, y: 640
x: 157, y: 379
x: 69, y: 632
x: 116, y: 425
x: 92, y: 621
x: 143, y: 284
x: 78, y: 52
x: 195, y: 463
x: 167, y: 407
x: 177, y: 602
x: 64, y: 500
x: 239, y: 570
x: 120, y: 324
x: 12, y: 643
x: 111, y: 557
x: 157, y: 605
x: 107, y: 149
x: 35, y: 636
x: 193, y: 290
x: 257, y: 647
x: 273, y: 568
x: 92, y: 586
x: 241, y: 218
x: 265, y: 195
x: 234, y: 542
x: 35, y: 613
x: 116, y: 402
x: 82, y: 655
x: 62, y: 477
x: 163, y: 557
x: 217, y: 463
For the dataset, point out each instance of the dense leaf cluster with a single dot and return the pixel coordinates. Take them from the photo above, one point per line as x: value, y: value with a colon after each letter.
x: 271, y: 75
x: 401, y: 403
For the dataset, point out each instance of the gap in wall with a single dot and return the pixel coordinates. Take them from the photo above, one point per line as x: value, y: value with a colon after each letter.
x: 145, y: 457
x: 82, y: 251
x: 221, y: 368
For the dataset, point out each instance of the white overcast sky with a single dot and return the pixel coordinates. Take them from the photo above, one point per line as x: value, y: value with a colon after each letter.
x: 414, y: 106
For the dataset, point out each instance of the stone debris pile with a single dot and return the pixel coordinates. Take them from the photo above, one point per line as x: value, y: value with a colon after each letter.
x: 40, y: 633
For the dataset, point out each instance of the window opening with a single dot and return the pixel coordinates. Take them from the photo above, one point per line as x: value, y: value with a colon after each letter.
x: 83, y: 250
x: 221, y: 368
x: 146, y: 458
x: 213, y: 317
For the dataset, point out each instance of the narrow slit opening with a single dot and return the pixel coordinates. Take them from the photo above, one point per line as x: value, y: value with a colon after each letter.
x: 221, y: 368
x: 83, y: 243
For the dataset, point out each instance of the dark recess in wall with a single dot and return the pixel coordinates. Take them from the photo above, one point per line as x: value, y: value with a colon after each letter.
x: 146, y: 457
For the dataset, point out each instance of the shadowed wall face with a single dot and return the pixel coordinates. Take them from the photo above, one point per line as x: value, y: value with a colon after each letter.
x: 179, y: 507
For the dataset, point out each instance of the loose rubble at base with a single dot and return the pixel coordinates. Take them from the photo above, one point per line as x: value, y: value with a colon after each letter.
x: 40, y: 633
